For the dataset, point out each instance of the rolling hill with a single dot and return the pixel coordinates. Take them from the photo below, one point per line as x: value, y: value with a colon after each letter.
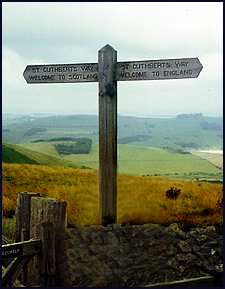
x: 12, y: 153
x: 136, y: 160
x: 184, y: 132
x: 146, y: 146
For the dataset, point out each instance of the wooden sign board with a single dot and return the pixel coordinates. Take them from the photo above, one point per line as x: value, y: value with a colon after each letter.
x: 11, y: 252
x: 25, y: 248
x: 131, y: 70
x: 159, y: 69
x: 60, y: 73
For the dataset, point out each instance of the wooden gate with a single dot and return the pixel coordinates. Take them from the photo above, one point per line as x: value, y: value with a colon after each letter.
x: 40, y: 224
x: 18, y: 254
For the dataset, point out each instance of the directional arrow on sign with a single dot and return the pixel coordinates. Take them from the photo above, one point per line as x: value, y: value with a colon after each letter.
x: 131, y: 70
x: 59, y: 73
x: 159, y: 69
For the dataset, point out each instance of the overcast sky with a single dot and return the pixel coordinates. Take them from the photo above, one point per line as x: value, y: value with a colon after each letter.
x: 65, y: 32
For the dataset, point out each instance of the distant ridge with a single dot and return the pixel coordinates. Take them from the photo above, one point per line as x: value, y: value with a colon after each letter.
x: 183, y: 131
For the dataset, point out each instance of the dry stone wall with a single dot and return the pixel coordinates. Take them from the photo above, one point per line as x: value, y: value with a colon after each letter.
x: 137, y: 255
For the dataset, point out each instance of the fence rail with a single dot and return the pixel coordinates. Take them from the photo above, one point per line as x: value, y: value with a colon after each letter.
x: 21, y: 249
x: 192, y: 282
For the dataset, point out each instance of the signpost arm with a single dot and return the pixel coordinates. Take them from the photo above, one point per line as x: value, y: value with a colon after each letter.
x: 107, y: 61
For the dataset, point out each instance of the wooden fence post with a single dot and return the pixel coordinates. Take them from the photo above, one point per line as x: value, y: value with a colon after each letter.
x: 48, y: 223
x: 23, y: 215
x: 23, y: 223
x: 48, y: 255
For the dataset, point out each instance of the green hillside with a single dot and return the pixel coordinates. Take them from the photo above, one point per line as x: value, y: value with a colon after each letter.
x: 146, y: 146
x: 42, y: 147
x: 185, y: 132
x: 12, y: 153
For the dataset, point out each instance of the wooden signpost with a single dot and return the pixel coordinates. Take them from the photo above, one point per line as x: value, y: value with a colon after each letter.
x: 107, y: 72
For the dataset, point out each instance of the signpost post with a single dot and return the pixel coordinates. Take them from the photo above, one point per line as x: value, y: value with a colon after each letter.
x: 107, y: 72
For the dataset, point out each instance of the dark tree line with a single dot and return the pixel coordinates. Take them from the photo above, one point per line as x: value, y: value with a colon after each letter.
x: 81, y: 146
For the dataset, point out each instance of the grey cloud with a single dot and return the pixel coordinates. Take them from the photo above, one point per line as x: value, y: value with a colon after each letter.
x: 74, y: 32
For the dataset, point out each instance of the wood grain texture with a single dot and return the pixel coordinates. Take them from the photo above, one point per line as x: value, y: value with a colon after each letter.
x: 48, y: 223
x: 107, y: 60
x: 48, y: 256
x: 23, y: 215
x: 23, y: 223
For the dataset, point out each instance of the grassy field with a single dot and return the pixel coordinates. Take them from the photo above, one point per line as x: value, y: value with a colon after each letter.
x: 133, y: 160
x: 42, y: 147
x: 136, y: 160
x: 140, y: 199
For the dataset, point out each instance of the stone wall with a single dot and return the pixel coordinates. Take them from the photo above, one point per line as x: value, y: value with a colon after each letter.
x: 138, y: 255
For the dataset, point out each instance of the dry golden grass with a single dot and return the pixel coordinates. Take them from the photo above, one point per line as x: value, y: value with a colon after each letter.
x: 140, y: 199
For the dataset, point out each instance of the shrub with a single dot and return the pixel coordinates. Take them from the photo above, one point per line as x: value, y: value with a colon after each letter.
x: 207, y: 212
x: 219, y: 203
x: 173, y: 193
